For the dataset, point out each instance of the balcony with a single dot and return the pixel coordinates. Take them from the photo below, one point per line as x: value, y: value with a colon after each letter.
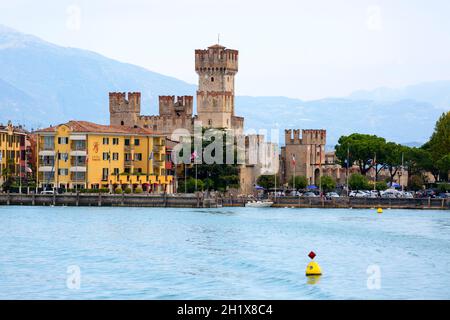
x: 48, y: 146
x: 78, y: 177
x: 158, y: 163
x: 46, y: 168
x: 128, y: 163
x: 78, y: 153
x: 158, y: 148
x: 129, y: 148
x: 47, y: 153
x: 78, y: 163
x: 46, y: 178
x: 44, y: 163
x: 78, y: 146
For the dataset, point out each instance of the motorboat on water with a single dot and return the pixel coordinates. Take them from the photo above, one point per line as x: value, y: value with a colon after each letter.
x: 259, y: 204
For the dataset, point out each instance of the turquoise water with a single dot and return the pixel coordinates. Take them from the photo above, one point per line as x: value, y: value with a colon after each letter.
x: 227, y: 253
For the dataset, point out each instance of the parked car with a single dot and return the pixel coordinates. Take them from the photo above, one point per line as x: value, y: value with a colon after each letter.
x: 332, y: 195
x: 391, y: 194
x: 444, y: 195
x: 359, y: 194
x: 373, y: 194
x: 48, y: 192
x: 407, y: 195
x: 295, y: 194
x: 310, y: 194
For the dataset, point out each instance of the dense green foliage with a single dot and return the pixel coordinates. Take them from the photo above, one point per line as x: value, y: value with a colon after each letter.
x: 358, y: 182
x: 300, y: 182
x: 192, y: 185
x: 327, y: 183
x: 266, y: 181
x: 213, y: 176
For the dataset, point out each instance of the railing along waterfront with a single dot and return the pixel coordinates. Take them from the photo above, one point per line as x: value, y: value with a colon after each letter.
x: 199, y: 201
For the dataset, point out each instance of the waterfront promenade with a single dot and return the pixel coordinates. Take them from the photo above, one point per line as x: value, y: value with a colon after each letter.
x: 199, y: 201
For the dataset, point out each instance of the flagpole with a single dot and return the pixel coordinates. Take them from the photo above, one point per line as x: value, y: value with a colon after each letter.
x: 185, y: 178
x: 375, y: 175
x: 402, y: 169
x: 293, y: 179
x: 348, y: 163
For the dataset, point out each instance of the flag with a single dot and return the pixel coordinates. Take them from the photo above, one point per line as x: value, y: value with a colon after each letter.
x: 293, y: 160
x: 194, y: 155
x: 151, y: 156
x: 1, y: 155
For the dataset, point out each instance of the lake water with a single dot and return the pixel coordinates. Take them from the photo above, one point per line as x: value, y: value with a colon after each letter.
x: 226, y: 253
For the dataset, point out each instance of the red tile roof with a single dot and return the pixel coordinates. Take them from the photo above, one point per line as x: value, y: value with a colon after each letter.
x: 90, y: 127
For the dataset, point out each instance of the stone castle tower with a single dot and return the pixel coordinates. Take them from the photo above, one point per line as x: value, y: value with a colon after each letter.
x: 308, y: 147
x: 123, y: 111
x: 216, y: 68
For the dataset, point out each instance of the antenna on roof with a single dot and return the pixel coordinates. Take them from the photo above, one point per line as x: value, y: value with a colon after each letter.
x: 218, y: 38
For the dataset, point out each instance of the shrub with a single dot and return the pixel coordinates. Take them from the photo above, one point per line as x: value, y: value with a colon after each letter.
x: 300, y: 182
x: 416, y: 183
x: 444, y: 187
x: 190, y: 185
x: 358, y: 182
x: 138, y: 190
x: 118, y: 190
x: 128, y: 190
x: 328, y: 183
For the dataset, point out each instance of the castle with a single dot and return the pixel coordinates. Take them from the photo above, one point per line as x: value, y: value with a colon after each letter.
x: 303, y: 154
x: 216, y: 68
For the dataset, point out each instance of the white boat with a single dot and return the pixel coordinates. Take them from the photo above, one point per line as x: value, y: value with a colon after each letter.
x: 259, y: 204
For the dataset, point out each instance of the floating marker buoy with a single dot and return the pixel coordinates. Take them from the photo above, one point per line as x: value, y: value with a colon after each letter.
x: 380, y: 210
x: 313, y: 268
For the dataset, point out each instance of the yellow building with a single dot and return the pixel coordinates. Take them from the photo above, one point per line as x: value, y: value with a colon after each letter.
x: 85, y: 155
x: 12, y: 152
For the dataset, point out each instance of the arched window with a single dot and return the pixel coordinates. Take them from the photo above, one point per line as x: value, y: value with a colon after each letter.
x: 212, y: 79
x: 122, y: 123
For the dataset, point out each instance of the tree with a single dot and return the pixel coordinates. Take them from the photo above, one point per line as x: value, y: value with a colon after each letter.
x: 191, y: 184
x: 328, y: 183
x: 419, y: 161
x: 358, y: 181
x: 416, y: 182
x: 300, y: 182
x: 208, y: 184
x: 362, y: 150
x: 266, y: 181
x: 443, y: 164
x: 439, y: 144
x: 220, y: 175
x: 394, y: 154
x: 439, y: 147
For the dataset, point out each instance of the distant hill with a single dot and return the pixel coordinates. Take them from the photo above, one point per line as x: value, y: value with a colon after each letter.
x: 42, y: 84
x: 436, y: 93
x: 66, y: 83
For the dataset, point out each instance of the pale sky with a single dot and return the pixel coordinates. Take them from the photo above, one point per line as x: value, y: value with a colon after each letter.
x: 295, y: 48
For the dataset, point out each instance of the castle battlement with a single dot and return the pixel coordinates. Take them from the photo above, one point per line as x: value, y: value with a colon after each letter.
x: 181, y: 105
x: 307, y: 136
x: 216, y: 58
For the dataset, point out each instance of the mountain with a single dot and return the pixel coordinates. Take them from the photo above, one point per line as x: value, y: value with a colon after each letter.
x: 42, y: 84
x: 436, y: 93
x: 401, y: 121
x: 65, y: 83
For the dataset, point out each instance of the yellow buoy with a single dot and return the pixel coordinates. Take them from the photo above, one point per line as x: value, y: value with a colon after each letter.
x: 313, y: 269
x: 380, y: 210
